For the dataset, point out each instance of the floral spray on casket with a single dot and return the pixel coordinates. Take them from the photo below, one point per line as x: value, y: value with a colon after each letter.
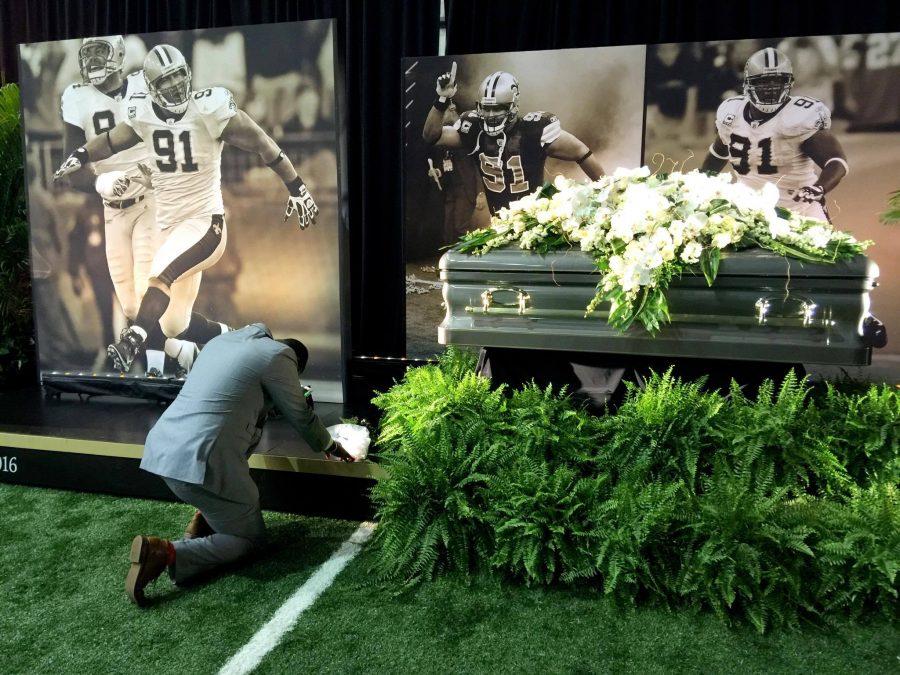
x: 645, y: 230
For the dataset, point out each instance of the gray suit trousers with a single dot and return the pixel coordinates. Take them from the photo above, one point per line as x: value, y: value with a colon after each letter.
x: 238, y: 527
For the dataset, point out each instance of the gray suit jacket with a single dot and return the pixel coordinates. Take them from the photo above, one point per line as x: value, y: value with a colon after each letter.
x: 207, y: 433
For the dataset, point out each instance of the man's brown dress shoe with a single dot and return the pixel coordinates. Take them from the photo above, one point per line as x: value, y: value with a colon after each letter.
x: 198, y: 527
x: 149, y: 558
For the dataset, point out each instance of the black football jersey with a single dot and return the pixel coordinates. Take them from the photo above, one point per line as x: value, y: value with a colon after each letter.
x: 511, y: 164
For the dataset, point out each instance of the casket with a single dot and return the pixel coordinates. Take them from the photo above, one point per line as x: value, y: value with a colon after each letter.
x: 761, y: 307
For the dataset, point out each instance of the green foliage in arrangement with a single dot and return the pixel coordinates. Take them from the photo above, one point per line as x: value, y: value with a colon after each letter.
x: 771, y: 510
x: 15, y: 287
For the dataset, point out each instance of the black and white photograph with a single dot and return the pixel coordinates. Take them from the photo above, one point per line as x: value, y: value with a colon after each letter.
x: 817, y: 116
x: 180, y: 185
x: 481, y: 131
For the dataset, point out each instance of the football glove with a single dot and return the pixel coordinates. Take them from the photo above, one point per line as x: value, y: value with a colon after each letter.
x: 73, y: 162
x: 810, y: 194
x: 303, y: 205
x: 112, y: 184
x: 446, y: 84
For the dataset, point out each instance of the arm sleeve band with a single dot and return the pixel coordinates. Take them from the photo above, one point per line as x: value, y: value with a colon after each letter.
x: 279, y: 157
x: 585, y: 156
x: 712, y: 151
x: 841, y: 161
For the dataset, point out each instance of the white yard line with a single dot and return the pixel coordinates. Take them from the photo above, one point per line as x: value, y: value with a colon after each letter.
x: 268, y: 637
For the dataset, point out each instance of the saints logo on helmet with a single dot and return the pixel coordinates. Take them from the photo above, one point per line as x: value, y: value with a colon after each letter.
x: 168, y: 78
x: 498, y: 102
x: 101, y: 57
x: 768, y: 78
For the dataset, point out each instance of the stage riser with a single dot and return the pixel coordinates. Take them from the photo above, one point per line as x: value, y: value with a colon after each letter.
x: 308, y: 494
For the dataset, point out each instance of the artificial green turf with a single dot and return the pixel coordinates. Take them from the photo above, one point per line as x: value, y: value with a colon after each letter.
x: 491, y: 627
x: 63, y: 559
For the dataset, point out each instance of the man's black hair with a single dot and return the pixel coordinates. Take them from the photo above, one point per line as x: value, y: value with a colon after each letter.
x: 300, y: 350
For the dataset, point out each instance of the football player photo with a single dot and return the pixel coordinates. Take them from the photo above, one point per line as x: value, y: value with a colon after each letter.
x: 768, y: 136
x: 816, y: 116
x: 482, y: 131
x: 191, y: 146
x: 509, y: 149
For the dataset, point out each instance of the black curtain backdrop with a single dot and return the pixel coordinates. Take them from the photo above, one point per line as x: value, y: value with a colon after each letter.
x: 478, y: 26
x: 373, y: 35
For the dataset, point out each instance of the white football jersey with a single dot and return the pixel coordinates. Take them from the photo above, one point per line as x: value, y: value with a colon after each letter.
x: 89, y: 109
x: 769, y: 151
x: 185, y: 154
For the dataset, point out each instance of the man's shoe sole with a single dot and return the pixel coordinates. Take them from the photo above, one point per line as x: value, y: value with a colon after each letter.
x: 137, y: 556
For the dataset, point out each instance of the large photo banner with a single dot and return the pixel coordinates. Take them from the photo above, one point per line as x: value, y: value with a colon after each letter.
x: 187, y: 218
x: 819, y: 117
x: 507, y: 124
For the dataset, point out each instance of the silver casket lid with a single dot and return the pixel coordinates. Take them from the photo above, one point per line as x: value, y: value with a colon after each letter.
x: 754, y: 262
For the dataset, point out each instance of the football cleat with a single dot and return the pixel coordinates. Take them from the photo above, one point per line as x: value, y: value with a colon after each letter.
x: 101, y: 57
x: 123, y: 352
x: 768, y: 79
x: 186, y: 357
x: 498, y: 102
x: 168, y: 78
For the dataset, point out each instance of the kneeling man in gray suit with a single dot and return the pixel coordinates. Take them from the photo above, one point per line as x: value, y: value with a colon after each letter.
x: 201, y: 444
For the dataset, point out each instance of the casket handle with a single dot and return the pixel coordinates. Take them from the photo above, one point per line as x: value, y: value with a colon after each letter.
x: 488, y: 299
x: 805, y: 308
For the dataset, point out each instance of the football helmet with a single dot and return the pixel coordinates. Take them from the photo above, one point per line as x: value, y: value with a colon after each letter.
x: 768, y: 78
x: 498, y: 102
x: 101, y: 57
x: 168, y: 78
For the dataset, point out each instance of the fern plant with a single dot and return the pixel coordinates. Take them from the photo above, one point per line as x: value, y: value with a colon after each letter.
x: 742, y: 558
x: 864, y: 430
x: 543, y: 523
x: 546, y: 425
x: 858, y: 552
x: 439, y: 443
x: 784, y: 429
x: 772, y: 510
x: 661, y: 432
x: 431, y: 510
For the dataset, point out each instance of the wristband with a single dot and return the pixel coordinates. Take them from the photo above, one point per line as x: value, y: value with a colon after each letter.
x: 277, y: 159
x: 294, y: 186
x: 441, y: 104
x: 81, y: 155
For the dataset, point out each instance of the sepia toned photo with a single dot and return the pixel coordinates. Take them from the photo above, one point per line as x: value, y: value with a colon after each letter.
x: 180, y: 185
x: 481, y: 131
